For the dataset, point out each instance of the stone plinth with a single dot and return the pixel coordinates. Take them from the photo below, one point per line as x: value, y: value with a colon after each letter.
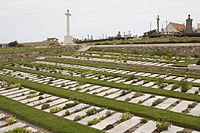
x: 68, y: 39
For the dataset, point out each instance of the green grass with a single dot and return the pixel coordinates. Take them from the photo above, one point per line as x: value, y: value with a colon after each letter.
x: 41, y: 118
x: 162, y: 92
x: 139, y: 110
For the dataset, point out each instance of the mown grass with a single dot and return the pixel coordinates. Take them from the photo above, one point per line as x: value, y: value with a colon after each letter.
x: 41, y: 118
x: 139, y: 110
x: 162, y: 92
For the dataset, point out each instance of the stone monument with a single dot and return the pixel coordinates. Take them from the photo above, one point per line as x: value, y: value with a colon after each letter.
x: 189, y: 25
x: 68, y: 39
x: 158, y: 23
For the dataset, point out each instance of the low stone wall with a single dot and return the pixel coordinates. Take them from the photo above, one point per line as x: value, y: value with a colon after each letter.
x: 34, y: 54
x: 38, y: 44
x: 169, y: 69
x: 180, y: 50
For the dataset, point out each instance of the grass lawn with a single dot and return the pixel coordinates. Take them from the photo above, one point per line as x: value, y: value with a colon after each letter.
x: 41, y: 118
x: 139, y: 110
x: 170, y: 93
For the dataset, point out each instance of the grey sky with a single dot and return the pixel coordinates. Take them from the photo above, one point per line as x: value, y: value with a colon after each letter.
x: 35, y: 20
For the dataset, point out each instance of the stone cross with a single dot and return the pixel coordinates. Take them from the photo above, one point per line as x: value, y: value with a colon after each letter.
x: 68, y: 14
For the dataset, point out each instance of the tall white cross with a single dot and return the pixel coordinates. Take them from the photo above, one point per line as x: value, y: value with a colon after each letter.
x: 68, y: 14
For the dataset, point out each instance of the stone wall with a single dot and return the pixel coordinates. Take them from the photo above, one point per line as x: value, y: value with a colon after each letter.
x: 193, y: 50
x: 34, y: 54
x: 37, y: 44
x: 138, y: 66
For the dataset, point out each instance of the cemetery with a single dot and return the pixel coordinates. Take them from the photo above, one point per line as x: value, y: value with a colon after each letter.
x: 114, y: 84
x: 104, y: 98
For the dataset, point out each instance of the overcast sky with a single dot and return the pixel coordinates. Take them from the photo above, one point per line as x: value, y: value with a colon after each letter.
x: 35, y: 20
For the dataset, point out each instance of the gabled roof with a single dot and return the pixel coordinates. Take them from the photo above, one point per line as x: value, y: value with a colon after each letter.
x: 178, y: 27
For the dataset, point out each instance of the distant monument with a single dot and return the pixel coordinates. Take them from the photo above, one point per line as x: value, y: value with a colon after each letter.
x: 119, y: 35
x: 68, y: 39
x: 189, y: 25
x: 158, y: 23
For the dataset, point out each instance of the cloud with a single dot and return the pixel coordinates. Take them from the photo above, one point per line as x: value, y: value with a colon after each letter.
x: 35, y: 20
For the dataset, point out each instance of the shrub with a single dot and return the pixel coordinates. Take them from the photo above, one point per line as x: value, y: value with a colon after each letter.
x: 45, y: 106
x: 55, y: 109
x: 19, y: 130
x: 92, y: 111
x: 161, y: 83
x: 94, y: 121
x: 108, y: 113
x: 32, y: 92
x: 32, y: 96
x: 175, y: 86
x: 198, y: 63
x: 145, y: 81
x: 67, y: 113
x: 143, y: 121
x: 109, y: 127
x: 13, y: 44
x: 158, y: 101
x: 13, y: 86
x: 185, y: 86
x: 41, y: 93
x: 40, y: 98
x: 78, y: 117
x: 126, y: 116
x: 131, y: 77
x: 11, y: 121
x: 137, y: 94
x: 48, y: 101
x: 162, y: 126
x: 192, y: 105
x: 69, y: 105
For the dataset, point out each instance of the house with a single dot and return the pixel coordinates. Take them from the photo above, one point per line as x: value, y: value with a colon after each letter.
x: 198, y: 28
x: 174, y: 29
x: 52, y: 40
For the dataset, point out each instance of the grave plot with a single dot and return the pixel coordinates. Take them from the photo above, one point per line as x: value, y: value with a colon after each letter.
x: 162, y: 102
x: 134, y: 57
x: 89, y: 115
x: 10, y: 123
x: 181, y: 84
x: 126, y: 72
x: 166, y: 60
x: 116, y: 60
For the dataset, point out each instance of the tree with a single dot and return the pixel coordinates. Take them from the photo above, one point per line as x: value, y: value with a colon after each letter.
x: 13, y: 44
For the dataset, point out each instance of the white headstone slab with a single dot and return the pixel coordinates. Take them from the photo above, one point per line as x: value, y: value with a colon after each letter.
x: 110, y: 120
x: 148, y: 127
x: 122, y: 127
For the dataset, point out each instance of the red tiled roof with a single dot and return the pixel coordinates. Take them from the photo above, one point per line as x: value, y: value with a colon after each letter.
x: 178, y: 27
